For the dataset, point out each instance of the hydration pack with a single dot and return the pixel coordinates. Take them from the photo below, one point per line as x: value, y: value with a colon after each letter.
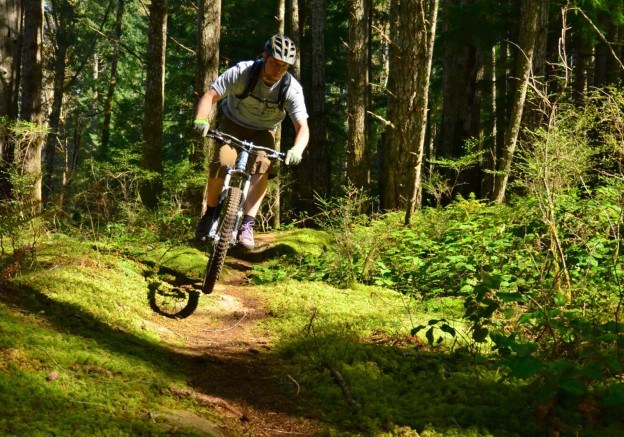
x: 256, y: 69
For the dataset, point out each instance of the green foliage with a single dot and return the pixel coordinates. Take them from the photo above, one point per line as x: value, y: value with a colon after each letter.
x: 21, y: 224
x: 445, y: 252
x: 344, y: 217
x: 440, y: 186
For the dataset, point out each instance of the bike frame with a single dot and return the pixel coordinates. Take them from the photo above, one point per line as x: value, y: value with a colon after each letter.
x: 237, y: 176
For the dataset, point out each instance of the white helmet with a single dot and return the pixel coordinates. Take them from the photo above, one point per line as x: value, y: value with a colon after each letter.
x: 281, y: 47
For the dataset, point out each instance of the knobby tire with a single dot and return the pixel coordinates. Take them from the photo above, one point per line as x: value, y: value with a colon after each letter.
x: 220, y: 248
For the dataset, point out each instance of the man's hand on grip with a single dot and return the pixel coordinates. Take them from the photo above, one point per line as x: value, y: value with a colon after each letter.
x: 293, y: 157
x: 202, y: 125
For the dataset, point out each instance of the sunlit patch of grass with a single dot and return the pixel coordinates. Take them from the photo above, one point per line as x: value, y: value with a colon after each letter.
x: 183, y: 260
x: 57, y: 379
x: 306, y: 241
x: 100, y: 287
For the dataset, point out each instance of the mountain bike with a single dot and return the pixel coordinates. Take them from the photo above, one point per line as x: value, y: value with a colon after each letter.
x: 181, y: 301
x: 228, y: 215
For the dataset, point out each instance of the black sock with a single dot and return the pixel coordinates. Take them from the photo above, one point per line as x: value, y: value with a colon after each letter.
x: 210, y: 210
x: 247, y: 219
x: 206, y: 219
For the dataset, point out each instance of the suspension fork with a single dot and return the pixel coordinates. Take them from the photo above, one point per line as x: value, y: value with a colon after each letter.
x: 241, y: 208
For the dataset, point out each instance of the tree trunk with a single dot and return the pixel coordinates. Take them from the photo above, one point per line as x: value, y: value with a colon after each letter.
x: 531, y: 12
x: 407, y: 36
x: 29, y: 157
x: 54, y: 137
x: 280, y: 18
x: 313, y: 175
x: 154, y: 103
x: 295, y: 35
x: 459, y: 87
x: 427, y: 21
x: 357, y: 93
x: 64, y: 18
x: 489, y: 160
x: 112, y: 82
x: 206, y: 71
x: 10, y: 50
x: 276, y: 190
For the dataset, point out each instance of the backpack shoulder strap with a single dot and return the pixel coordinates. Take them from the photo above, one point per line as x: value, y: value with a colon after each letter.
x: 252, y: 81
x: 283, y: 90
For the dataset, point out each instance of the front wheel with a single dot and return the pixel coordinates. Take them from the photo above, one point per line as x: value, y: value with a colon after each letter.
x: 227, y: 220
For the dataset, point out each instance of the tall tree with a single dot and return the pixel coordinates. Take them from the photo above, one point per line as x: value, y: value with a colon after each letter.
x: 154, y: 103
x: 407, y: 36
x: 10, y: 56
x: 112, y: 80
x: 427, y: 22
x: 312, y: 175
x: 531, y: 11
x: 276, y: 190
x: 29, y: 156
x: 357, y: 92
x: 295, y: 35
x: 459, y: 76
x: 63, y: 17
x: 280, y: 17
x: 206, y: 68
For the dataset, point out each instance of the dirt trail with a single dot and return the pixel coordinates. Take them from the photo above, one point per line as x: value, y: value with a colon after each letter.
x: 228, y: 365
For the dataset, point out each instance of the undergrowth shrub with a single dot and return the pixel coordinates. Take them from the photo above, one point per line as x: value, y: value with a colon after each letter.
x: 106, y: 203
x: 21, y: 221
x: 446, y: 251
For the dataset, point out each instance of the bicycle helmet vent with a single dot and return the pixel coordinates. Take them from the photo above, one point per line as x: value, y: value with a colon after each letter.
x: 281, y: 47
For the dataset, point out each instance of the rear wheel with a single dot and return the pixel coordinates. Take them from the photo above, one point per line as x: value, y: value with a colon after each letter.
x: 220, y: 248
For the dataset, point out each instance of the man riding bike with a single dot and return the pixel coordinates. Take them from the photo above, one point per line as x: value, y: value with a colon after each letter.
x: 252, y: 111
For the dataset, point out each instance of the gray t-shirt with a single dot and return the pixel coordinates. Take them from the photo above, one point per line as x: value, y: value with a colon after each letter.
x: 250, y: 112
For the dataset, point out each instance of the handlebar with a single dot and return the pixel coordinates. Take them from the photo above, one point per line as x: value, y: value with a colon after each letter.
x: 245, y: 145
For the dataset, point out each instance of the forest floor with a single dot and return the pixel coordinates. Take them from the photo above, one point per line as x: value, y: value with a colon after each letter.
x: 225, y: 343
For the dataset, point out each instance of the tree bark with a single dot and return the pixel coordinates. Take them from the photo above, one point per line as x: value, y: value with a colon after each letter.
x: 461, y: 65
x: 407, y: 36
x: 358, y: 169
x: 427, y: 21
x: 531, y: 12
x: 313, y: 174
x: 276, y: 190
x: 280, y: 18
x: 112, y: 82
x: 295, y: 36
x: 10, y: 57
x: 29, y: 157
x: 154, y: 103
x: 64, y: 18
x: 206, y: 71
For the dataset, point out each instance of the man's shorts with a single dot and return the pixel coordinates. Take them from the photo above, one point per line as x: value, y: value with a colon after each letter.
x: 225, y: 155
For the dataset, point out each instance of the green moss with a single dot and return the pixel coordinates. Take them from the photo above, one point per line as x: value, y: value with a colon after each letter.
x: 77, y: 354
x: 306, y: 241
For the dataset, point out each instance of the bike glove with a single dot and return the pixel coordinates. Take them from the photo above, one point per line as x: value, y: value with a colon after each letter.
x: 202, y: 125
x: 293, y: 157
